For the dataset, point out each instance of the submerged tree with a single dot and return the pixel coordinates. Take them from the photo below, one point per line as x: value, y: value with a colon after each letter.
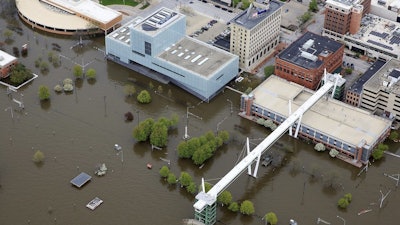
x: 271, y: 218
x: 38, y: 157
x: 44, y: 93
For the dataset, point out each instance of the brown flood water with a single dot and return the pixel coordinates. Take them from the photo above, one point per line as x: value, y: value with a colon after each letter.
x: 77, y: 131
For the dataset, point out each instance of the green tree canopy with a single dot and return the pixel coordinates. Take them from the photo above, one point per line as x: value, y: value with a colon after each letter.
x: 159, y: 135
x: 313, y: 6
x: 394, y: 135
x: 379, y: 150
x: 343, y: 203
x: 234, y: 207
x: 38, y: 157
x: 225, y: 198
x: 143, y: 131
x: 224, y: 135
x: 164, y: 171
x: 271, y: 218
x: 269, y: 70
x: 19, y: 74
x: 305, y: 17
x: 171, y: 179
x: 144, y: 97
x: 348, y: 196
x: 44, y: 93
x: 191, y: 188
x: 247, y: 207
x: 91, y: 74
x: 185, y: 179
x: 78, y: 71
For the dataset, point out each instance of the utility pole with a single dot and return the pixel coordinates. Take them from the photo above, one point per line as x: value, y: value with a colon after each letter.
x: 186, y: 135
x: 231, y: 105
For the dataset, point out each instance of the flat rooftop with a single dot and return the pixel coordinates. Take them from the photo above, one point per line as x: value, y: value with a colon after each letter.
x: 358, y: 85
x: 157, y: 21
x: 343, y: 3
x: 81, y: 179
x: 380, y: 33
x: 196, y: 56
x: 123, y: 33
x: 50, y: 16
x: 305, y: 50
x: 387, y: 78
x: 342, y: 121
x: 5, y: 58
x: 252, y: 16
x: 88, y: 8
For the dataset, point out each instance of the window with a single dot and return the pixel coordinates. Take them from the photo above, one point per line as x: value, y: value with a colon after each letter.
x: 147, y: 48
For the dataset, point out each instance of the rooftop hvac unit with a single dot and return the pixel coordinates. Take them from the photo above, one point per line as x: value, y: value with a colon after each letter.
x: 309, y: 56
x: 309, y: 43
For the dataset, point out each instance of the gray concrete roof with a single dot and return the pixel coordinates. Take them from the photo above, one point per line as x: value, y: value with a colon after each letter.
x: 196, y: 56
x: 358, y: 85
x: 387, y: 78
x: 345, y: 122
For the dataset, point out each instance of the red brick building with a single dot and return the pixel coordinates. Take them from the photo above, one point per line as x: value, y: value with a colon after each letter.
x: 304, y: 61
x: 6, y: 62
x: 343, y: 16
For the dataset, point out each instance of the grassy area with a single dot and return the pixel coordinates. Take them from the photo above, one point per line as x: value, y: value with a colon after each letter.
x: 119, y: 2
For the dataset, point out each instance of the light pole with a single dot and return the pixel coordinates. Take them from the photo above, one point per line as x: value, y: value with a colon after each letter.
x: 137, y: 112
x: 220, y: 122
x: 186, y: 135
x: 231, y: 105
x: 344, y: 221
x: 11, y: 110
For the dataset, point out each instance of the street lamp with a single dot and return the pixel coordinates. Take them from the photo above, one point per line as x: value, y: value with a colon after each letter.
x: 186, y: 135
x: 220, y: 122
x: 11, y: 110
x: 231, y: 105
x: 137, y: 112
x: 344, y: 221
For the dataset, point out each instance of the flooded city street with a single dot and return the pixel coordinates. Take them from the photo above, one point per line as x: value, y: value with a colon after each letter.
x: 77, y: 132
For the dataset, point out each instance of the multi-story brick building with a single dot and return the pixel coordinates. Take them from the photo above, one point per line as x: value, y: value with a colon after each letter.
x: 255, y: 33
x: 305, y: 60
x: 344, y: 16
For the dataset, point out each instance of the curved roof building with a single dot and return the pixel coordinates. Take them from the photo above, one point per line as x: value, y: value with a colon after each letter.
x: 68, y: 16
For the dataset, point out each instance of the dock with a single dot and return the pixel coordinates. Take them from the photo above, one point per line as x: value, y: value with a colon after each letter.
x: 94, y: 203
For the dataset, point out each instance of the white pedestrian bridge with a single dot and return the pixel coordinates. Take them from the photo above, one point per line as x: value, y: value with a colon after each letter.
x: 205, y: 206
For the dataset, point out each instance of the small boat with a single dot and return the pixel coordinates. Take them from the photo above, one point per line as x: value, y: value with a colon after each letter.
x: 364, y: 211
x: 149, y: 166
x: 94, y: 203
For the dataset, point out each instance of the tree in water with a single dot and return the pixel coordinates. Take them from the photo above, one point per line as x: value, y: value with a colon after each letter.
x: 271, y: 218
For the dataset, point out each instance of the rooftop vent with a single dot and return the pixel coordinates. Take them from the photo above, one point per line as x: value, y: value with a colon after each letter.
x: 308, y: 44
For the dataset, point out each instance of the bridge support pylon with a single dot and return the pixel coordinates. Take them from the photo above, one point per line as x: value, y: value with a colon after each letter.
x: 208, y: 215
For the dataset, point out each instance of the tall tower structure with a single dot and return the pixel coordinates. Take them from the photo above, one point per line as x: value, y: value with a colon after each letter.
x: 255, y: 33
